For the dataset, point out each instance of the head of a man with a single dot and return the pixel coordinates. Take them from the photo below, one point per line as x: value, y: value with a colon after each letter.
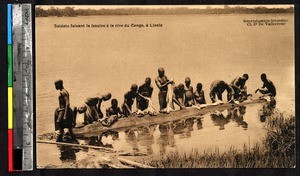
x: 199, y: 87
x: 114, y: 103
x: 245, y: 76
x: 58, y: 84
x: 161, y: 71
x: 263, y: 77
x: 133, y: 88
x: 148, y: 81
x: 180, y: 87
x: 187, y: 81
x: 106, y: 96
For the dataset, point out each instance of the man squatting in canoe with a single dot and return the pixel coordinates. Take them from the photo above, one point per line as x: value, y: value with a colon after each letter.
x: 162, y: 83
x: 63, y: 114
x: 268, y: 88
x: 217, y: 88
x: 92, y: 108
x: 238, y: 85
x: 128, y: 100
x: 113, y: 113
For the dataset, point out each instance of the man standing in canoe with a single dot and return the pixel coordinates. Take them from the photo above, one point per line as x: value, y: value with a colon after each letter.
x: 188, y: 93
x: 268, y: 87
x: 63, y: 114
x: 238, y: 85
x: 144, y: 90
x: 162, y: 83
x: 217, y: 88
x: 128, y: 100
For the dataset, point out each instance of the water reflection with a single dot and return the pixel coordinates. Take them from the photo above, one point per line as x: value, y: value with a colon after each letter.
x: 166, y: 137
x: 219, y: 119
x: 97, y: 140
x: 199, y: 122
x: 145, y: 137
x: 131, y: 139
x: 159, y: 139
x: 183, y: 127
x: 67, y: 153
x: 233, y: 114
x: 267, y: 110
x: 237, y: 115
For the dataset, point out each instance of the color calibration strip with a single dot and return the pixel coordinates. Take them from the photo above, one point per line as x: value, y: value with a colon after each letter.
x: 20, y: 99
x: 10, y: 88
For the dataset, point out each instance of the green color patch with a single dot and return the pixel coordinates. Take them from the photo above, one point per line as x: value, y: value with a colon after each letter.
x: 10, y: 65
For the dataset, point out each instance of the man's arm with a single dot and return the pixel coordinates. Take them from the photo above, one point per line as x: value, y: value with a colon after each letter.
x: 159, y: 85
x: 66, y: 97
x: 120, y: 112
x: 107, y: 112
x: 260, y: 89
x: 193, y: 96
x: 151, y: 91
x: 99, y: 104
x: 178, y: 103
x: 203, y: 96
x: 235, y: 84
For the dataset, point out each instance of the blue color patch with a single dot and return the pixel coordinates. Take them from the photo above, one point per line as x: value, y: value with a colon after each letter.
x: 9, y: 24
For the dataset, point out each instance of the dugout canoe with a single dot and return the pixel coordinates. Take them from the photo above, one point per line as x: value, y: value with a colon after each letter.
x: 134, y: 122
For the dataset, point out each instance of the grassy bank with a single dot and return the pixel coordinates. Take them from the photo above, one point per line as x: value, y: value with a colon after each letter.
x: 276, y: 151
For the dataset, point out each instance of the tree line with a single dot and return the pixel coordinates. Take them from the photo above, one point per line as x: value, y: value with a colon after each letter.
x: 71, y: 12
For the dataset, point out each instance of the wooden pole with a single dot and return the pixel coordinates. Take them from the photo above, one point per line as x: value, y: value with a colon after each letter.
x: 133, y: 163
x: 75, y: 145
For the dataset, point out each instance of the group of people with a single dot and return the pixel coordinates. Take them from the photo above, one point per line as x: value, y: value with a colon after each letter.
x: 182, y: 95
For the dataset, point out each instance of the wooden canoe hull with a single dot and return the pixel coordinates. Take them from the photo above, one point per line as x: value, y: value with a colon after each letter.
x: 133, y: 122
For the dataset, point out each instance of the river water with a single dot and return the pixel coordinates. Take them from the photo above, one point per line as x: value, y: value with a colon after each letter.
x: 202, y: 47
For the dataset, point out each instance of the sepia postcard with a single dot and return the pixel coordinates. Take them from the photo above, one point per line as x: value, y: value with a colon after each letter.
x: 189, y: 86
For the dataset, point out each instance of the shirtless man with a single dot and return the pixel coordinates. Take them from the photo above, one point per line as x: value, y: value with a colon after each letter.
x: 178, y: 95
x: 128, y: 100
x: 63, y: 114
x: 113, y: 113
x: 188, y: 93
x: 145, y: 90
x: 217, y: 88
x: 268, y: 87
x: 199, y: 95
x: 162, y: 83
x: 92, y: 108
x: 238, y: 85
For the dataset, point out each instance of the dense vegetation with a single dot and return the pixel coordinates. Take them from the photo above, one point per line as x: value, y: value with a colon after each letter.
x: 70, y: 11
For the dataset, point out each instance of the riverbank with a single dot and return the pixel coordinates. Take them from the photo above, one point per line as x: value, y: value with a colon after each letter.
x: 276, y: 151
